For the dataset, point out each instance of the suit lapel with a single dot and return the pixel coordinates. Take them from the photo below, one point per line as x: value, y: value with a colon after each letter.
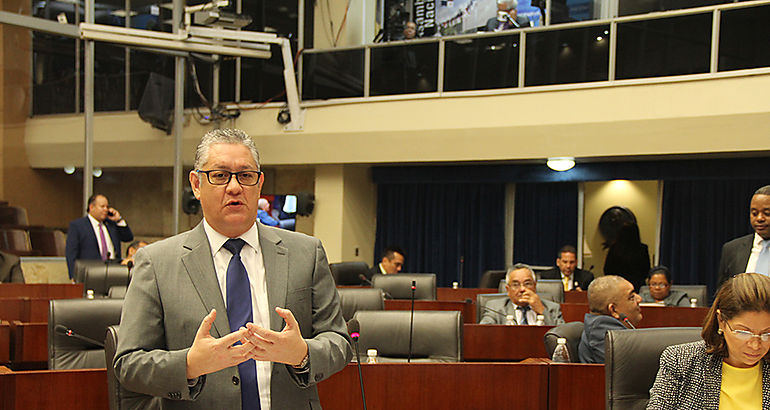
x: 197, y: 260
x: 276, y: 259
x: 744, y: 253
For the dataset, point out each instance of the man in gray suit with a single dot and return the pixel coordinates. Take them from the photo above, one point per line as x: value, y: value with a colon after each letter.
x: 232, y: 314
x: 750, y: 253
x: 523, y: 303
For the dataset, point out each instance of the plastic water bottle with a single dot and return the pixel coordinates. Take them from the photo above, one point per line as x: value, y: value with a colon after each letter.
x: 509, y: 320
x: 455, y: 285
x: 371, y: 356
x: 693, y: 302
x: 89, y: 294
x: 540, y: 320
x: 560, y: 354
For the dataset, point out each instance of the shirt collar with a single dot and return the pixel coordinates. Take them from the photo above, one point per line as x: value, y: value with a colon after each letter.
x: 94, y: 222
x: 758, y: 240
x: 216, y: 239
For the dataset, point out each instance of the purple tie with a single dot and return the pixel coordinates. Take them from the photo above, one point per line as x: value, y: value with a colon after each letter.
x: 103, y: 240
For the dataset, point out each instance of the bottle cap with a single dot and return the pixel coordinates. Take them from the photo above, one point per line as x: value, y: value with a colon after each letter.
x: 561, y: 340
x: 509, y: 317
x: 540, y: 317
x: 371, y: 352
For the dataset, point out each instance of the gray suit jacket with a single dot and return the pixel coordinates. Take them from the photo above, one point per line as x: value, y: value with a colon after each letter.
x: 552, y: 312
x: 690, y: 378
x: 735, y: 257
x: 174, y: 286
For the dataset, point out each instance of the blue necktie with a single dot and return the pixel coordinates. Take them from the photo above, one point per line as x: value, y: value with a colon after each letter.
x: 524, y: 310
x: 763, y: 262
x: 239, y: 313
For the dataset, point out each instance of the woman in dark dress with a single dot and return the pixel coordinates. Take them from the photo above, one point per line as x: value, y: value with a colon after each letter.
x: 628, y: 256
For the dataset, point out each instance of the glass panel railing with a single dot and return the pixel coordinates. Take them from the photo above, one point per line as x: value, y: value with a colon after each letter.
x: 574, y: 55
x: 631, y: 7
x: 404, y: 69
x: 481, y: 63
x: 53, y: 74
x: 333, y: 74
x: 743, y: 38
x: 661, y: 47
x: 262, y: 80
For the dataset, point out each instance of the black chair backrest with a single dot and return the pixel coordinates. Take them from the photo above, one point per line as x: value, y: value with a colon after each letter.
x: 437, y: 335
x: 353, y: 300
x: 632, y: 359
x: 482, y: 299
x: 570, y: 331
x: 399, y: 286
x: 82, y: 264
x: 693, y: 291
x: 101, y: 278
x: 491, y: 279
x: 86, y: 318
x: 117, y: 292
x: 348, y: 273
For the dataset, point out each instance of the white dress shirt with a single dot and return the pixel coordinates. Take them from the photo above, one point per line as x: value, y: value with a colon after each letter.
x: 756, y: 248
x: 96, y: 226
x: 251, y: 256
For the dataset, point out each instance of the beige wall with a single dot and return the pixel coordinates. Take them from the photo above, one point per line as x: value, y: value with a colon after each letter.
x: 641, y: 197
x: 345, y: 212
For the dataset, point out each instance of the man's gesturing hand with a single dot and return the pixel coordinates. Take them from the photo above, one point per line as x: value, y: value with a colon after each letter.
x: 286, y: 346
x: 209, y: 354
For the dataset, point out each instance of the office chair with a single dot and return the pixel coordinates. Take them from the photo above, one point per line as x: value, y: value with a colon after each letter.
x: 85, y: 318
x: 399, y: 286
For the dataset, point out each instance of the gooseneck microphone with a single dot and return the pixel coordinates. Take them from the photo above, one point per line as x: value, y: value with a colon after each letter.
x: 353, y: 328
x: 368, y: 282
x: 63, y: 330
x: 487, y: 308
x: 411, y: 323
x: 624, y: 319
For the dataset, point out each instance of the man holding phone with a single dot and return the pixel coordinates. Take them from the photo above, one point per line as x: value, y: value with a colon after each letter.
x: 97, y: 235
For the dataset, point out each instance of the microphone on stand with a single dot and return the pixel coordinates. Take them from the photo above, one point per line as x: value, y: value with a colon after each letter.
x: 353, y: 328
x: 462, y: 265
x: 368, y: 282
x: 63, y: 330
x: 130, y: 265
x: 624, y: 319
x: 411, y: 323
x: 488, y: 309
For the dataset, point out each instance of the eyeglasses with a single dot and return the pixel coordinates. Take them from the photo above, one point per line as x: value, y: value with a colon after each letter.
x: 745, y: 335
x: 526, y: 283
x: 659, y: 285
x: 223, y: 177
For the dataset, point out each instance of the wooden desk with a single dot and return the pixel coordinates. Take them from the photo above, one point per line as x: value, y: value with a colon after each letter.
x: 504, y: 343
x: 42, y: 290
x: 84, y: 389
x: 576, y: 296
x: 652, y: 316
x: 5, y: 342
x: 422, y: 386
x: 29, y: 345
x: 468, y: 309
x: 24, y: 309
x: 461, y: 294
x: 576, y: 386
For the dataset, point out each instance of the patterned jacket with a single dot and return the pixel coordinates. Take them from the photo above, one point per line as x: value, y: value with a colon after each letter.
x: 690, y: 378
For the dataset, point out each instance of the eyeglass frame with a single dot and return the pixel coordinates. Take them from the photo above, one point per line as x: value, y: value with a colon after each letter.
x: 230, y: 176
x: 745, y: 335
x: 527, y: 284
x: 659, y: 285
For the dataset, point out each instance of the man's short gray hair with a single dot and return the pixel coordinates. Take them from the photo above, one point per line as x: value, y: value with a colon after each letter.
x: 224, y: 136
x: 509, y: 4
x: 602, y: 291
x: 765, y: 190
x: 517, y: 267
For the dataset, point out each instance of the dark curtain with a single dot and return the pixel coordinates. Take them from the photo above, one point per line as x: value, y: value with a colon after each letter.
x: 698, y: 218
x: 545, y: 219
x: 453, y: 230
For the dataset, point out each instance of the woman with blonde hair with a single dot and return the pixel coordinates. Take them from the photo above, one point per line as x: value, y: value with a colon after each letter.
x: 729, y: 368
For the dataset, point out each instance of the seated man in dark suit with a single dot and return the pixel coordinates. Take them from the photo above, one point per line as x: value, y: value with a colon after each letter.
x: 392, y: 262
x: 523, y: 302
x: 567, y: 271
x: 750, y: 253
x: 507, y: 17
x: 614, y: 305
x: 96, y: 235
x: 10, y: 268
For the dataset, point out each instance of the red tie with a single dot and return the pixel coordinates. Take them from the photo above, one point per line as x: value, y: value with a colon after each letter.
x: 103, y: 241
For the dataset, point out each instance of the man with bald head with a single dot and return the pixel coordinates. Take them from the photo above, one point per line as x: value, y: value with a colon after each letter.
x: 614, y: 305
x: 750, y: 253
x: 523, y: 302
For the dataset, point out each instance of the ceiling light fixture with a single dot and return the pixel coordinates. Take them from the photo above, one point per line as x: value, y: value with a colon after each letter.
x: 561, y: 163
